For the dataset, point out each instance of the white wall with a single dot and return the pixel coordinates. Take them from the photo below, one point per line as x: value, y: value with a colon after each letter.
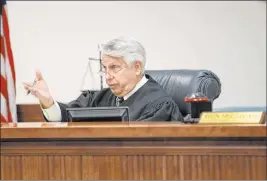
x: 228, y: 38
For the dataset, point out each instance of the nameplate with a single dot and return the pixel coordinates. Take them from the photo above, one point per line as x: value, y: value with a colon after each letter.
x: 233, y: 117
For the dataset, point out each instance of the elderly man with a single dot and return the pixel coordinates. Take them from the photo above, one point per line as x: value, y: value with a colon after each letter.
x: 123, y: 66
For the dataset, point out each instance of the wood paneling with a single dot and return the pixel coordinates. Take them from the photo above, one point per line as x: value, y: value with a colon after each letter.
x: 29, y: 113
x: 225, y: 152
x: 34, y: 167
x: 69, y: 167
x: 100, y: 160
x: 137, y: 167
x: 141, y: 147
x: 11, y: 167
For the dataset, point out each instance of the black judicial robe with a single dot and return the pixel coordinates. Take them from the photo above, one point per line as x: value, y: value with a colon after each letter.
x: 149, y: 103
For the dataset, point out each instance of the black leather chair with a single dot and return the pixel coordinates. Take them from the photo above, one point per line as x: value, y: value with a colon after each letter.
x: 181, y: 83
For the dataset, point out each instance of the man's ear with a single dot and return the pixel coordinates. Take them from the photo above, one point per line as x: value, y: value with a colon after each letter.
x: 138, y: 67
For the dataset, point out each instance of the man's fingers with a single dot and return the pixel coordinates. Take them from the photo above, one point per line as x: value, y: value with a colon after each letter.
x: 33, y: 90
x: 26, y: 87
x: 39, y: 75
x: 27, y: 84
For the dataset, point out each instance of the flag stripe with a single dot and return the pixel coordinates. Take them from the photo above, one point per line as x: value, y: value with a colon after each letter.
x: 3, y: 68
x: 8, y: 76
x: 4, y: 100
x: 3, y: 87
x: 3, y: 108
x: 8, y: 46
x: 3, y: 119
x: 11, y: 93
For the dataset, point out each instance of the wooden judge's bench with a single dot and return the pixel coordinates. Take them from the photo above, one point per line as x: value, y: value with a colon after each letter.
x: 88, y: 151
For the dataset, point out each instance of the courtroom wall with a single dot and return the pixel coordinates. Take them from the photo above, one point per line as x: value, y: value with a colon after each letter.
x: 57, y: 38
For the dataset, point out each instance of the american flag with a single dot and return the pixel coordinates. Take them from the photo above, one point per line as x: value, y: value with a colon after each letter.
x: 8, y: 77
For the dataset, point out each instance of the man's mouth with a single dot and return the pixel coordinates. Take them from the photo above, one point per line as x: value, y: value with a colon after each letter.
x: 111, y: 85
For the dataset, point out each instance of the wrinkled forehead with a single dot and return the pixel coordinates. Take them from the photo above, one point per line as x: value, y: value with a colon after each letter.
x: 111, y: 60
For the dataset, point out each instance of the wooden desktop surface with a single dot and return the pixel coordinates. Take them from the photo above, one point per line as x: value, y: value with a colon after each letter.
x: 127, y: 130
x: 88, y: 151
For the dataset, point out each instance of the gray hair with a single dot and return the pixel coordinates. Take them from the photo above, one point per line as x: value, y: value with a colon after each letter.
x: 127, y: 48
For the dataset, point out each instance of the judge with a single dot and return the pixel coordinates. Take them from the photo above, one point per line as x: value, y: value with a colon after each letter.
x: 123, y: 67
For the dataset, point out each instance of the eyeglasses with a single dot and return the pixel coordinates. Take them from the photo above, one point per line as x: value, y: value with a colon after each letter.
x: 115, y: 69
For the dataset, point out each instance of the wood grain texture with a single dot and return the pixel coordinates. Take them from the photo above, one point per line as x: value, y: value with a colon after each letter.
x: 29, y: 113
x: 127, y: 130
x: 170, y: 154
x: 137, y: 167
x: 69, y: 167
x: 97, y: 160
x: 34, y: 167
x: 140, y: 147
x: 11, y: 167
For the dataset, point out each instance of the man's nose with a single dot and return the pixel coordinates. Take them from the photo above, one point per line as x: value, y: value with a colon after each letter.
x: 108, y: 76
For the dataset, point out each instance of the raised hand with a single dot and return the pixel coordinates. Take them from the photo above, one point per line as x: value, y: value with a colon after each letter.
x: 40, y: 90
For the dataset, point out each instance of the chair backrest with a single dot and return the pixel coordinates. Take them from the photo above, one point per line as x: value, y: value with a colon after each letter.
x: 182, y: 82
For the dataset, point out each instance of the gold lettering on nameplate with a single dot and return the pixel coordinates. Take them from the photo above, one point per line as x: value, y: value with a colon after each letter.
x: 233, y: 117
